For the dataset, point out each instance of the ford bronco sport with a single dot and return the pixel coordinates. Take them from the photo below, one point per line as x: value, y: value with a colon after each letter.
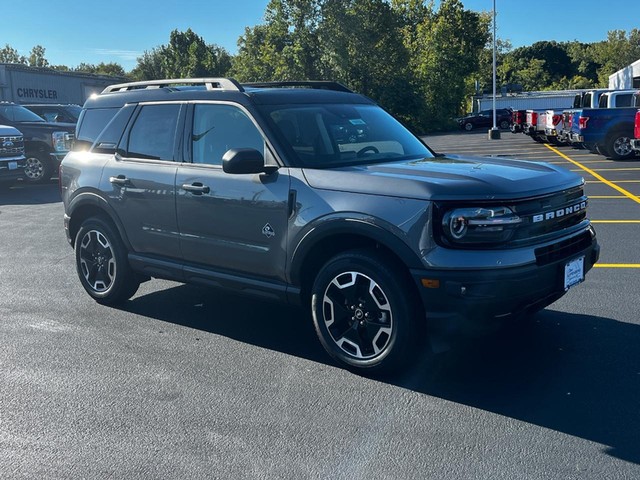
x: 306, y: 192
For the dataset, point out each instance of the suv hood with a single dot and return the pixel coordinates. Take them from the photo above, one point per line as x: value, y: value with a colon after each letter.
x: 448, y: 177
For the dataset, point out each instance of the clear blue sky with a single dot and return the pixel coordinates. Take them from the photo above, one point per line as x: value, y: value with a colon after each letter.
x: 119, y: 31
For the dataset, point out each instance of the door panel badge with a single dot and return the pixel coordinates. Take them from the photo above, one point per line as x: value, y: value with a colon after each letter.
x: 268, y: 231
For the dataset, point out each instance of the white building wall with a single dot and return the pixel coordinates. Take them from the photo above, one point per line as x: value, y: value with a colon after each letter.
x: 623, y: 79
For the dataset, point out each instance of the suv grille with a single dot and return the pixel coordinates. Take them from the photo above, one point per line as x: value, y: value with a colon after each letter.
x: 11, y: 146
x: 550, y: 214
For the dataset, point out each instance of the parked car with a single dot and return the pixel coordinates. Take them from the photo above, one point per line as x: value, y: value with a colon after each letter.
x: 534, y: 124
x: 635, y: 143
x: 12, y: 159
x: 484, y: 118
x: 270, y: 191
x: 45, y: 143
x: 610, y: 130
x: 58, y: 113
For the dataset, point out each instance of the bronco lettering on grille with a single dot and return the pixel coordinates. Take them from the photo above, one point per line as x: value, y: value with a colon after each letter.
x: 559, y: 212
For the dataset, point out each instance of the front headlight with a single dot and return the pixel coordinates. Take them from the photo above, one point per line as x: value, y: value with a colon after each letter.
x: 62, y: 141
x: 479, y: 225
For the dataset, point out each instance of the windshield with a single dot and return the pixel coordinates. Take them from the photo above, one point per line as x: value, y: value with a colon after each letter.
x: 327, y: 136
x: 17, y: 113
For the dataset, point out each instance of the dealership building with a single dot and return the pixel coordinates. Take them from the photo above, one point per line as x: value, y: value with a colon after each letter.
x: 24, y: 84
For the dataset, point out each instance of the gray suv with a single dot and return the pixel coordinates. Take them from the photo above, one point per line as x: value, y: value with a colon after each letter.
x: 308, y: 193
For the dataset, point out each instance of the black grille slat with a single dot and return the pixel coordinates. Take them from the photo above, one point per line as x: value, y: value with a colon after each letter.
x: 562, y: 250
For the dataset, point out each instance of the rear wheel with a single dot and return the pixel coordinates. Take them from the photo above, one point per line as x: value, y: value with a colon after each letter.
x: 364, y: 312
x: 101, y: 263
x: 618, y: 146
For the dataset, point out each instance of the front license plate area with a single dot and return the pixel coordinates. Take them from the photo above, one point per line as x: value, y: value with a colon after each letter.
x: 573, y: 272
x: 13, y: 165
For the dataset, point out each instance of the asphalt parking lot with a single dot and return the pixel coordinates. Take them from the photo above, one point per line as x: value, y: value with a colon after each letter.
x: 184, y: 382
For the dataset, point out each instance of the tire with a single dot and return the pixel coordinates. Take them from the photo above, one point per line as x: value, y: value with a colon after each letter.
x: 101, y: 263
x: 618, y: 146
x: 468, y: 126
x: 504, y: 124
x: 364, y: 312
x: 38, y: 168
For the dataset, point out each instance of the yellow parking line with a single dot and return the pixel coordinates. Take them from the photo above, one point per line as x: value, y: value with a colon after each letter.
x: 601, y: 197
x: 626, y: 169
x: 598, y: 176
x: 615, y: 221
x: 617, y: 181
x: 617, y: 265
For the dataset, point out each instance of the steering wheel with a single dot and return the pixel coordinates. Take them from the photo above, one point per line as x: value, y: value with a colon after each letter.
x: 368, y: 148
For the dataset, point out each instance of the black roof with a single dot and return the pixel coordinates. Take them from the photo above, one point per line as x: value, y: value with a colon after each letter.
x: 268, y: 93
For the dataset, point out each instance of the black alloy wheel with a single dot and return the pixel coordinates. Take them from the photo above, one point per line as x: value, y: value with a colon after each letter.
x: 364, y: 312
x: 102, y: 265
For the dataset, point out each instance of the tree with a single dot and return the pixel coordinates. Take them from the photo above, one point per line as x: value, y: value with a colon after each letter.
x: 37, y: 58
x: 619, y: 50
x: 285, y: 47
x: 185, y: 56
x: 112, y: 69
x: 447, y: 45
x: 8, y: 54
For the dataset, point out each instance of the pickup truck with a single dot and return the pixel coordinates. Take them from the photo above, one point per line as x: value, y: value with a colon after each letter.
x: 635, y: 143
x: 11, y: 154
x: 570, y: 117
x: 45, y: 143
x: 518, y: 118
x: 534, y: 124
x: 553, y: 127
x: 610, y: 130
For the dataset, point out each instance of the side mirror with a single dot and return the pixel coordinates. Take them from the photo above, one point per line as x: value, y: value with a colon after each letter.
x: 243, y: 161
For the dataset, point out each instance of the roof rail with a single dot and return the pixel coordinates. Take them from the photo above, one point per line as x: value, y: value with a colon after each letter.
x: 209, y: 83
x: 316, y: 84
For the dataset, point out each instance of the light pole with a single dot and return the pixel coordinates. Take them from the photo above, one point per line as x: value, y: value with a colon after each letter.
x: 494, y: 133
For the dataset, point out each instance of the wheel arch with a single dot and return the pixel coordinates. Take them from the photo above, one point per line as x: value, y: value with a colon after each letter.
x: 89, y: 204
x: 330, y: 239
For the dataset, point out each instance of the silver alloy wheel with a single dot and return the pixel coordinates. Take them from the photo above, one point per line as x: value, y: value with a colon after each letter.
x: 97, y: 261
x: 357, y: 315
x: 622, y: 146
x: 33, y: 168
x: 468, y: 126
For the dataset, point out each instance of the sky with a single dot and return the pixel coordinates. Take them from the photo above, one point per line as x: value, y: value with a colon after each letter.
x: 74, y: 32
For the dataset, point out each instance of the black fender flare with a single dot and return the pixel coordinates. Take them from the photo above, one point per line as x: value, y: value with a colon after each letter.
x: 363, y: 226
x: 93, y: 199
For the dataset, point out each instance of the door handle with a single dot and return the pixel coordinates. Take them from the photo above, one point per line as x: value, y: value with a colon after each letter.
x: 120, y: 180
x: 196, y: 188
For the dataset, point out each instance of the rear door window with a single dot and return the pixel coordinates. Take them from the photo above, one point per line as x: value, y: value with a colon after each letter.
x: 153, y: 133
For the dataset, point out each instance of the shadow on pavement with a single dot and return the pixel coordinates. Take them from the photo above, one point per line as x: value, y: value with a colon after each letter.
x: 575, y: 374
x: 21, y: 193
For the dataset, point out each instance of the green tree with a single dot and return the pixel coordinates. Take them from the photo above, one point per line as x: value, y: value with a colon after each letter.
x: 112, y: 69
x: 36, y: 57
x: 185, y: 56
x: 285, y: 47
x: 619, y: 50
x: 448, y: 43
x: 8, y: 54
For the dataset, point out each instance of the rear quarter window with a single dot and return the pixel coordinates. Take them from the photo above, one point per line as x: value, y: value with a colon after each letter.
x: 91, y: 124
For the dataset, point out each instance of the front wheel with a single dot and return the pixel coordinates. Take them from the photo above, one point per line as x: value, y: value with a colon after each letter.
x: 468, y: 126
x: 102, y: 265
x: 37, y: 168
x: 504, y: 124
x: 364, y: 312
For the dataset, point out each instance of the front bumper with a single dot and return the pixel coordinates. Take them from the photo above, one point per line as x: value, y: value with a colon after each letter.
x: 11, y: 169
x: 635, y: 144
x: 468, y: 301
